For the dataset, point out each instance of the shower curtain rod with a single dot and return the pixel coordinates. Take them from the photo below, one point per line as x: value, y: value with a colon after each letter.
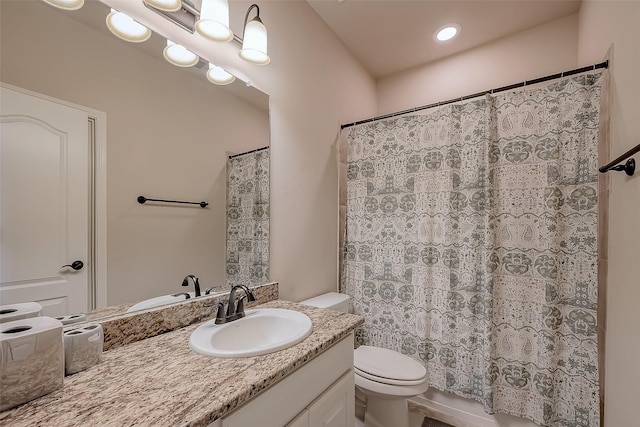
x: 604, y: 64
x: 629, y: 167
x: 248, y: 152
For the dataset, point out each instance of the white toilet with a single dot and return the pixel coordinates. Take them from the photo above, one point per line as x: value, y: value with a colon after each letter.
x: 384, y: 378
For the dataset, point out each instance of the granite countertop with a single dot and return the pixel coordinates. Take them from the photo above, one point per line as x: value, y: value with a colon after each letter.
x: 160, y: 381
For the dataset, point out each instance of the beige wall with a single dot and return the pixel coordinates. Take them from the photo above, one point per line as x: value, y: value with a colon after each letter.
x: 168, y: 137
x: 605, y: 24
x: 315, y: 85
x: 540, y: 51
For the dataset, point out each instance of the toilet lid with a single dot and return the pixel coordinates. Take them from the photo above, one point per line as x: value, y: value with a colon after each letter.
x: 387, y: 366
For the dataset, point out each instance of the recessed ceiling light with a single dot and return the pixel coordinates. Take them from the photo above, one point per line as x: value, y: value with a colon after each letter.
x: 447, y: 32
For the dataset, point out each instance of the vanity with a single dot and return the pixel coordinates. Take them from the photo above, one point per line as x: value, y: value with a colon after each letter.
x: 160, y: 381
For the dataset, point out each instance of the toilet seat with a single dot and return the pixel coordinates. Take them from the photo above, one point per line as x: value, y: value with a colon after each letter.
x: 387, y: 366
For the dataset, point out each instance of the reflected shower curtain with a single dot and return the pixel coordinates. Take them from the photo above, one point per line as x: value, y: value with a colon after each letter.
x: 471, y: 245
x: 248, y: 219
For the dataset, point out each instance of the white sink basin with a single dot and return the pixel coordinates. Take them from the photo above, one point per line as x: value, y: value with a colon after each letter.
x: 158, y: 301
x: 260, y: 332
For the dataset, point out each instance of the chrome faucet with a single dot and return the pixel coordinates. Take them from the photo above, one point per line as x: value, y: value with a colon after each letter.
x: 194, y: 279
x: 235, y: 310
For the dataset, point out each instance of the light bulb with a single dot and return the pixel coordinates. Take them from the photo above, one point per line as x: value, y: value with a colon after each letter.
x: 179, y: 55
x: 214, y: 21
x: 66, y: 4
x: 166, y: 5
x: 219, y: 76
x: 254, y: 44
x: 126, y: 28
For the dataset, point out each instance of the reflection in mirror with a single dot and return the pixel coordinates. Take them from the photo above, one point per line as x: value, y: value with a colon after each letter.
x: 169, y: 132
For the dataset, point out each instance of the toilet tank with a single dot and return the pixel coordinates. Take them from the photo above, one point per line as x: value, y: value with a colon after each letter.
x: 331, y: 300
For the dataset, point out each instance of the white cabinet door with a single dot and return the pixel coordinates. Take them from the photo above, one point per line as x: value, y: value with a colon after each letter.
x: 336, y: 406
x: 301, y: 420
x: 291, y: 397
x: 44, y: 217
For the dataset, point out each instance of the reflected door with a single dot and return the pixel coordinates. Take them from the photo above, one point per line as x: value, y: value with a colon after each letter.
x: 44, y: 214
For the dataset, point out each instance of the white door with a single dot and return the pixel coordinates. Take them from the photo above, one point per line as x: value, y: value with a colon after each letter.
x: 44, y: 209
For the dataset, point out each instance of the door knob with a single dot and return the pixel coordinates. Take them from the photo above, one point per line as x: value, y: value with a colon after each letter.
x: 76, y: 265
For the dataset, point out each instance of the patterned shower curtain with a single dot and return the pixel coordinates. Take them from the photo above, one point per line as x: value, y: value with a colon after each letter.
x: 248, y: 219
x: 471, y: 245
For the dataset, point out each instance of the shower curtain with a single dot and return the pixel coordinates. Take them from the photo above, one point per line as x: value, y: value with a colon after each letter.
x: 247, y: 260
x: 471, y: 245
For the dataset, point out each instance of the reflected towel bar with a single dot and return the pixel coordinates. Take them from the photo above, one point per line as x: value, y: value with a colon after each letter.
x: 142, y: 200
x: 233, y: 156
x: 629, y: 167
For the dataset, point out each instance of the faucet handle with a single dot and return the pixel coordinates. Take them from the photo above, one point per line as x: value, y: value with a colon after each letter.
x: 220, y: 316
x: 240, y: 306
x: 230, y: 308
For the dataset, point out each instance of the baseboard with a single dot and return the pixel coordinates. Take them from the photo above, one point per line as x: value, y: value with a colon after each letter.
x: 448, y: 414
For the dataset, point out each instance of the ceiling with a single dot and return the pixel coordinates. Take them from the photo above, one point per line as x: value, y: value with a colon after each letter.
x: 388, y: 36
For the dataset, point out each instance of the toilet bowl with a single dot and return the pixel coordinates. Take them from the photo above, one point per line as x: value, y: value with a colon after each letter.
x: 387, y: 378
x: 383, y: 377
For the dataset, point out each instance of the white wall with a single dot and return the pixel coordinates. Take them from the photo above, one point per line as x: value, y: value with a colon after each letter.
x: 603, y: 24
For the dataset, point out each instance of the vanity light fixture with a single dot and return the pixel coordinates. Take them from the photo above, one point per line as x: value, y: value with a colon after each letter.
x: 165, y: 5
x: 446, y: 32
x: 179, y: 55
x: 126, y: 28
x: 254, y: 43
x: 66, y: 4
x: 214, y: 21
x: 219, y: 76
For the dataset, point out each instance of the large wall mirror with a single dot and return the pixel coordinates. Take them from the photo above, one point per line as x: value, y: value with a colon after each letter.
x: 170, y: 134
